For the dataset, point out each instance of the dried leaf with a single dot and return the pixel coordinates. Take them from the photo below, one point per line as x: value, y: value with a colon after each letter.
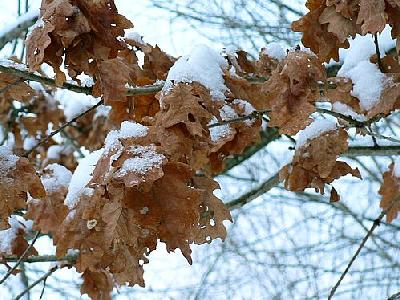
x: 315, y: 164
x: 390, y: 191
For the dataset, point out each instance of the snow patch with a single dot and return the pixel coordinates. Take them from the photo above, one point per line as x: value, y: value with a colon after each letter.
x: 29, y: 143
x: 74, y: 103
x: 275, y: 50
x: 27, y: 17
x: 128, y: 130
x: 367, y: 79
x: 146, y: 159
x: 81, y: 177
x: 132, y: 35
x: 314, y: 130
x: 8, y: 160
x: 219, y: 132
x: 247, y: 108
x: 203, y: 65
x: 368, y: 83
x: 346, y: 110
x: 59, y: 177
x: 102, y: 111
x: 7, y: 236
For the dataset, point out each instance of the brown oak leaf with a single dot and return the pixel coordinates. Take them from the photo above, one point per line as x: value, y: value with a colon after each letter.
x: 390, y: 192
x: 314, y: 164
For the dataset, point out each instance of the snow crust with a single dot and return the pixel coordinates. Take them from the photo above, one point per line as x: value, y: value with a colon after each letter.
x: 275, y: 50
x: 8, y: 160
x: 30, y: 15
x: 59, y: 177
x: 81, y: 177
x: 367, y: 79
x: 314, y: 130
x: 146, y: 159
x: 346, y: 110
x: 128, y: 130
x: 203, y: 65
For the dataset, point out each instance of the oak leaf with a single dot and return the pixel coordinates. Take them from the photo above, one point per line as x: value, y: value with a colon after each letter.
x: 314, y: 164
x: 390, y: 192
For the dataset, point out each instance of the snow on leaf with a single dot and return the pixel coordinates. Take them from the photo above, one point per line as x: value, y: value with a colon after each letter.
x: 203, y: 65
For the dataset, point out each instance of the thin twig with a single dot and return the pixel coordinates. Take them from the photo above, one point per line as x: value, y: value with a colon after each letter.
x: 39, y: 280
x: 44, y: 258
x: 375, y: 224
x: 254, y: 115
x: 273, y: 181
x: 378, y: 52
x: 47, y: 138
x: 21, y: 259
x: 26, y: 21
x: 394, y: 296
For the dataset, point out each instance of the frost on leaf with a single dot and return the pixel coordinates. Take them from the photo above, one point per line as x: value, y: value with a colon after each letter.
x: 292, y: 90
x: 314, y: 163
x: 390, y: 191
x: 18, y: 179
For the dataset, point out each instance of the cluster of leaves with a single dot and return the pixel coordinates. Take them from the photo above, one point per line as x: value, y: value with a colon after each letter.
x: 155, y: 155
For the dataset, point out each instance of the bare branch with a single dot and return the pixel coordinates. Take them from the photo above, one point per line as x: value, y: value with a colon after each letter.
x: 44, y: 258
x: 21, y: 71
x: 39, y: 280
x: 21, y: 25
x: 274, y: 180
x: 20, y: 259
x: 65, y: 125
x: 375, y: 224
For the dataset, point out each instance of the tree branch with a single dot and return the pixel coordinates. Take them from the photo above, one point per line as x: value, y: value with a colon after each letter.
x: 44, y: 258
x: 20, y: 259
x: 375, y: 224
x: 20, y: 70
x: 274, y: 180
x: 39, y: 280
x: 48, y: 137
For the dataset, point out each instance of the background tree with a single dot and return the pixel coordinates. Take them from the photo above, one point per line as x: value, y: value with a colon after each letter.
x: 281, y: 245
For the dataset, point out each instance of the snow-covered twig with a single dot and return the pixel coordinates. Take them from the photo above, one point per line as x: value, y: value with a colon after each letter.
x: 20, y: 70
x: 21, y: 24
